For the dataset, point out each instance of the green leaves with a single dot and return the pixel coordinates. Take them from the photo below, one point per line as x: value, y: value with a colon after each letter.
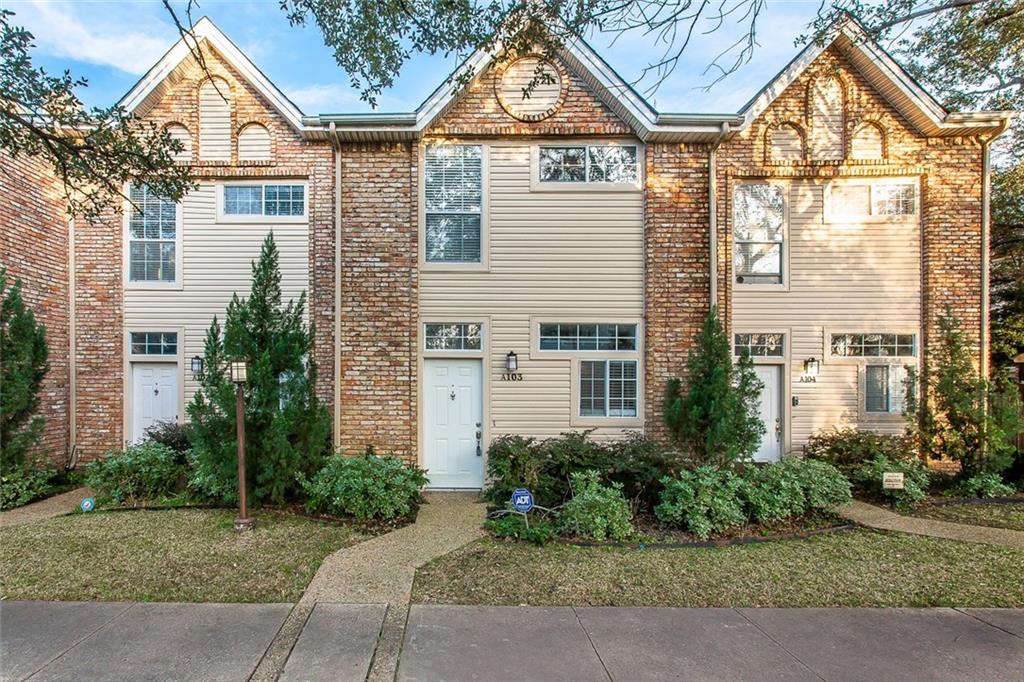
x: 596, y: 512
x: 367, y: 488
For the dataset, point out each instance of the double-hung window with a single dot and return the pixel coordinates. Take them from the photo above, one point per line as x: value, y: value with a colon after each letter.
x: 884, y: 377
x: 453, y: 203
x: 595, y: 163
x: 152, y: 237
x: 759, y: 221
x: 274, y: 201
x: 608, y: 388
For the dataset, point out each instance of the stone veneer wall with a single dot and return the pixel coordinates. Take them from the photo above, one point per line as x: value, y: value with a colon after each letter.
x: 34, y: 249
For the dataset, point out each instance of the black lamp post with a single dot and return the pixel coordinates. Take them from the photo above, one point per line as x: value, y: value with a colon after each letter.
x: 239, y: 375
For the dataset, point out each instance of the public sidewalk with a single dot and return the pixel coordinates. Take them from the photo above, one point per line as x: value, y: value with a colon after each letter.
x: 136, y: 642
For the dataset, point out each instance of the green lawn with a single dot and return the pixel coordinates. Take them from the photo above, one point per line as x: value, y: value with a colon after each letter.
x: 997, y: 515
x: 853, y: 568
x: 175, y: 555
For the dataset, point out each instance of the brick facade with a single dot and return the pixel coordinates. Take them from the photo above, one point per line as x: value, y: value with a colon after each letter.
x: 34, y: 249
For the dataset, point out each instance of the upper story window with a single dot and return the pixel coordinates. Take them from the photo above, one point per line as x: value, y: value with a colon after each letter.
x: 598, y: 337
x: 152, y: 237
x: 605, y: 163
x: 873, y: 345
x: 453, y: 203
x: 759, y: 224
x: 872, y: 201
x: 277, y: 201
x: 452, y: 336
x: 760, y: 345
x: 153, y: 343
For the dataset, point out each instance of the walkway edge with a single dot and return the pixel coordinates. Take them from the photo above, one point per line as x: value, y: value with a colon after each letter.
x: 882, y: 519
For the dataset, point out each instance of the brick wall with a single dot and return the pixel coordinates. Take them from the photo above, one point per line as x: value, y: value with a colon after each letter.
x: 34, y: 248
x: 379, y: 298
x: 677, y: 277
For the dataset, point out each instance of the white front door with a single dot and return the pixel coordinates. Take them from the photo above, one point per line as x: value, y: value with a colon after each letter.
x: 154, y: 395
x: 453, y: 414
x: 770, y: 448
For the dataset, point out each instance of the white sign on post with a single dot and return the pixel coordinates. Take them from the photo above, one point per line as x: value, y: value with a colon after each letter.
x: 892, y: 480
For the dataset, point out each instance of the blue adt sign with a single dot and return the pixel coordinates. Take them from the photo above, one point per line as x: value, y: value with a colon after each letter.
x: 522, y: 500
x: 87, y: 504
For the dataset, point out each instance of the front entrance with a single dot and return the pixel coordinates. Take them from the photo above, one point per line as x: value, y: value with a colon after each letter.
x: 770, y: 448
x: 154, y: 395
x: 453, y: 426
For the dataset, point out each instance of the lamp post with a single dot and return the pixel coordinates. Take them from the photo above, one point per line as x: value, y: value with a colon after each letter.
x: 239, y: 375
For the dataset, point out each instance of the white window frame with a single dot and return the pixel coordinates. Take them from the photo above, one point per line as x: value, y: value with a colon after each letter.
x: 834, y: 214
x: 447, y: 352
x: 784, y: 255
x: 484, y: 263
x: 584, y: 186
x: 763, y: 359
x: 129, y: 358
x: 605, y: 420
x: 126, y: 245
x: 155, y: 357
x: 829, y: 356
x: 222, y: 217
x: 873, y: 417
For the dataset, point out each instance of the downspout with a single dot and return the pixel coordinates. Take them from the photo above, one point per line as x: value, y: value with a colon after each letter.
x: 72, y: 351
x: 713, y: 214
x: 336, y: 145
x: 986, y: 218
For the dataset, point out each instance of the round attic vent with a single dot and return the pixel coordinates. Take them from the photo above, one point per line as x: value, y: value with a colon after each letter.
x: 544, y: 99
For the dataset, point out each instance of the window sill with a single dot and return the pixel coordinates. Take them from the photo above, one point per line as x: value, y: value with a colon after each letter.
x: 261, y: 220
x: 154, y: 286
x: 743, y: 286
x: 434, y: 266
x: 608, y: 422
x: 538, y: 186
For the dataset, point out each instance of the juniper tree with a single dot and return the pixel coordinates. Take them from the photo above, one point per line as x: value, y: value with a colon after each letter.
x: 287, y: 428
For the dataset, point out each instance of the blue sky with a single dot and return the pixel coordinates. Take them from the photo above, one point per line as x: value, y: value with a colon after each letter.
x: 114, y: 43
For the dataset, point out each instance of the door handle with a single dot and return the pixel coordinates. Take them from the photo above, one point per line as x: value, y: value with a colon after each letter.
x: 778, y: 428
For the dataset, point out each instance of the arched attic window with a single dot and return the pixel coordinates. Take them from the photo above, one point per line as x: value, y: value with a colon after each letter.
x: 215, y: 120
x: 868, y: 142
x: 826, y: 111
x: 254, y: 143
x: 181, y: 134
x: 785, y: 143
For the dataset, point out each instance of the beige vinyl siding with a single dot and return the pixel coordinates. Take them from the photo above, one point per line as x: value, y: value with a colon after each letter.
x: 568, y: 255
x: 786, y: 144
x: 254, y: 143
x: 216, y: 262
x: 215, y: 120
x: 855, y: 276
x: 516, y: 80
x: 181, y: 134
x: 867, y: 142
x: 827, y: 119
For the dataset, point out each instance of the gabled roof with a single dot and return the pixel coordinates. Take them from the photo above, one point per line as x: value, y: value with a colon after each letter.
x: 890, y: 79
x: 147, y: 92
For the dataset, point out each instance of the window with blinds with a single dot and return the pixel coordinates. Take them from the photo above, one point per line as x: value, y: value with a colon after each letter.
x: 758, y: 233
x: 152, y: 237
x: 608, y: 388
x: 453, y: 203
x: 885, y: 389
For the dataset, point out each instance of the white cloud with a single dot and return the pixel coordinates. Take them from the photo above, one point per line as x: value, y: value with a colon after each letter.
x: 110, y: 36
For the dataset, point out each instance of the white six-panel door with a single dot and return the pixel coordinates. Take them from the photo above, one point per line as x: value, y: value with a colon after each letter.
x: 770, y: 448
x: 453, y: 419
x: 154, y: 395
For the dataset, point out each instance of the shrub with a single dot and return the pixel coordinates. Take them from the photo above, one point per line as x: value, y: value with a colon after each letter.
x: 21, y: 485
x: 716, y: 420
x: 514, y: 462
x: 23, y: 366
x: 868, y: 480
x: 539, y: 532
x: 847, y: 449
x: 985, y: 485
x: 703, y: 501
x: 824, y: 486
x: 596, y: 512
x: 139, y: 472
x: 174, y: 435
x: 367, y: 487
x: 774, y: 492
x: 639, y: 465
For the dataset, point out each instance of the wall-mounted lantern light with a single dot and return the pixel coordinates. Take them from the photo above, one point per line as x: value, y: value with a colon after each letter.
x: 511, y: 362
x: 197, y: 367
x: 239, y: 372
x: 812, y: 366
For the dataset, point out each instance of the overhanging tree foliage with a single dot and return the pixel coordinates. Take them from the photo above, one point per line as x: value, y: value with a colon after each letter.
x: 23, y: 364
x: 715, y: 416
x: 287, y: 428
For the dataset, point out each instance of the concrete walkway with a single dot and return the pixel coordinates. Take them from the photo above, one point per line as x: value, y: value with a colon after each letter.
x: 57, y: 505
x: 380, y: 571
x: 877, y: 517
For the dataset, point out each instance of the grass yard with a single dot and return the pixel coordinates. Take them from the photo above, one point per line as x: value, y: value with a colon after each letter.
x: 184, y: 555
x: 853, y: 568
x: 1009, y: 515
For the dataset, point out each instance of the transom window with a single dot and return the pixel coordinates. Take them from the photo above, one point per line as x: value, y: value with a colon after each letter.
x: 760, y: 345
x: 152, y: 237
x: 154, y: 343
x: 589, y: 163
x: 758, y: 233
x: 453, y: 192
x: 265, y: 200
x: 608, y: 388
x: 873, y: 345
x: 885, y: 389
x: 872, y: 199
x: 600, y: 337
x: 452, y: 336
